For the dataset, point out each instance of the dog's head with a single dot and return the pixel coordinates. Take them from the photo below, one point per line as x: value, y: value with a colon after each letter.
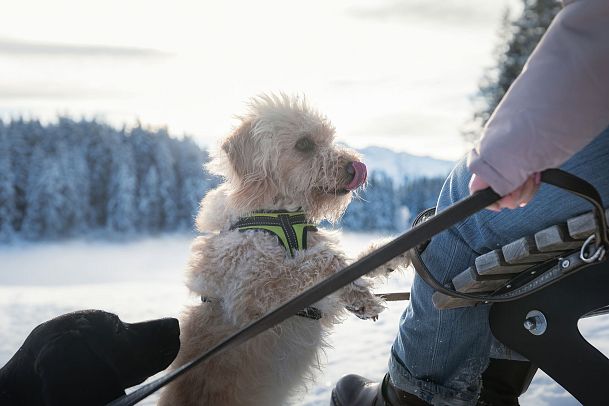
x: 91, y: 356
x: 283, y: 155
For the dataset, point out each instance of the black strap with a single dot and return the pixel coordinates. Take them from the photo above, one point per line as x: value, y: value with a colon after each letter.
x: 398, y: 246
x: 310, y: 312
x: 585, y: 190
x: 555, y: 177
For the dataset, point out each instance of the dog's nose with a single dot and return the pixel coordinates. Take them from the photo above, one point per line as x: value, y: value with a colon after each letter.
x: 350, y: 169
x: 358, y: 173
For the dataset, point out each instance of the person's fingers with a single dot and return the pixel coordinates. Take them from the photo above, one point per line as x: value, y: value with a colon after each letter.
x: 520, y: 193
x: 477, y: 183
x: 528, y: 191
x: 510, y: 201
x: 518, y: 198
x: 494, y: 207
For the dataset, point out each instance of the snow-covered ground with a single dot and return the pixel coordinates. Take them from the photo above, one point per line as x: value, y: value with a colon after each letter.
x: 143, y: 280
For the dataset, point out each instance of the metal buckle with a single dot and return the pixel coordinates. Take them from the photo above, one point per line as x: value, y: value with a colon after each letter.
x: 598, y: 255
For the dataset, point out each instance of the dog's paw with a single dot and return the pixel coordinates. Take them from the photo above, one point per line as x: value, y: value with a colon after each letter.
x: 400, y: 262
x: 367, y: 309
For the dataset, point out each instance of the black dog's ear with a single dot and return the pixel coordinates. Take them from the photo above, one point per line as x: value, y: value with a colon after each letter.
x: 73, y: 375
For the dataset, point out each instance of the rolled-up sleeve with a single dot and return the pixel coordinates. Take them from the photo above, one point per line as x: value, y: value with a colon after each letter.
x: 556, y: 106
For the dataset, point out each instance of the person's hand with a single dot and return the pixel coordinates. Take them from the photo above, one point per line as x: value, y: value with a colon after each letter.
x: 517, y: 198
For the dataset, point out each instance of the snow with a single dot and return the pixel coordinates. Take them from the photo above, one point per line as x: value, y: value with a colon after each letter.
x: 142, y: 280
x: 401, y: 165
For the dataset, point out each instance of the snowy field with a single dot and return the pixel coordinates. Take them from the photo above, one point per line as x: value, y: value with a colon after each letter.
x: 143, y: 280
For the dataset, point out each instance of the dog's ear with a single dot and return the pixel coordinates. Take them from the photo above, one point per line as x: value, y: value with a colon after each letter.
x: 239, y: 148
x: 252, y: 167
x: 71, y: 373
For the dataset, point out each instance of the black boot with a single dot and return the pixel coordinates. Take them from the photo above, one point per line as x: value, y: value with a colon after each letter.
x: 354, y: 390
x: 504, y: 381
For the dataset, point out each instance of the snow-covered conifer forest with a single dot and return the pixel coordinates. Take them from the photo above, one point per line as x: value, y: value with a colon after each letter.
x: 84, y: 178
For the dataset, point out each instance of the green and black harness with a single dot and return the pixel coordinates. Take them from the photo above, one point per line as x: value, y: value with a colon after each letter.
x: 290, y: 228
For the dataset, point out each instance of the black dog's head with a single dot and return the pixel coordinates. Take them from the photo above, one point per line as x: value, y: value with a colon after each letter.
x: 90, y: 357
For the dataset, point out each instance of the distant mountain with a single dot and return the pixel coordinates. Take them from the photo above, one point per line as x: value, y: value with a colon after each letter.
x: 399, y: 165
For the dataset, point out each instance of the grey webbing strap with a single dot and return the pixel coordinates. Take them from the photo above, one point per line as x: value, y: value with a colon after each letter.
x: 417, y: 235
x: 585, y: 190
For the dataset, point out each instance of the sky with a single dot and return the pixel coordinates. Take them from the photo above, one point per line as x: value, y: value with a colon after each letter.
x: 392, y: 73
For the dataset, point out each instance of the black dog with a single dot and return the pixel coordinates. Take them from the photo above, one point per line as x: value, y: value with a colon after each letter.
x: 86, y: 358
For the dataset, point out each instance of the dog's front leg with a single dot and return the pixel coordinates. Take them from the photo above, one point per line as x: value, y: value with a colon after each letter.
x: 358, y: 296
x: 267, y: 283
x: 360, y: 300
x: 400, y: 262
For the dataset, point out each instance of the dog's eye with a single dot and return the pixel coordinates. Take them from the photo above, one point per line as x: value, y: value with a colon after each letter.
x: 305, y: 144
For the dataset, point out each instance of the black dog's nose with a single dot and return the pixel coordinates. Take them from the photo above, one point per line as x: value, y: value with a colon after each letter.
x: 152, y: 346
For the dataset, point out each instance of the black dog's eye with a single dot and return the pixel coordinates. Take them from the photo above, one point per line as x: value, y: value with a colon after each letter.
x: 305, y: 144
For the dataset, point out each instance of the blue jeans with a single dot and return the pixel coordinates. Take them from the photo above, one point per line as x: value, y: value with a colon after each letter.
x: 440, y: 355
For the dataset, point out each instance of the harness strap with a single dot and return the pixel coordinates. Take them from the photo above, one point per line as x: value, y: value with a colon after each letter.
x: 290, y: 228
x: 309, y: 312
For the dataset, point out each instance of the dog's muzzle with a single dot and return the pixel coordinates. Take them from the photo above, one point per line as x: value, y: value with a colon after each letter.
x: 359, y: 175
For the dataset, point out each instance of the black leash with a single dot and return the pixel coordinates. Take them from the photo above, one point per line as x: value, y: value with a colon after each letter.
x: 401, y: 244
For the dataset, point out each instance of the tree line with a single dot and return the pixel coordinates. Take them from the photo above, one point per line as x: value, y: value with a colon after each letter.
x: 73, y: 178
x: 76, y: 177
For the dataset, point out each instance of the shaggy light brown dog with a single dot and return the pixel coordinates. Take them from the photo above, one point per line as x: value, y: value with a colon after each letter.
x: 281, y: 157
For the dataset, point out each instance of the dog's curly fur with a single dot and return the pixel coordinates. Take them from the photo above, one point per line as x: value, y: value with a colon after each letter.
x: 248, y: 273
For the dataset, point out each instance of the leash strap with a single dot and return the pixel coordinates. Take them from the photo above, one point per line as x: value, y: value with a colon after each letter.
x: 310, y: 312
x: 417, y: 235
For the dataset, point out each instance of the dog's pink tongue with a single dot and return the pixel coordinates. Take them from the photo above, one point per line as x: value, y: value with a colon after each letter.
x: 359, y: 178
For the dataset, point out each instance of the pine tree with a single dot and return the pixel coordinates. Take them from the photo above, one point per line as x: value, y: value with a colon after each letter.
x: 149, y: 207
x: 381, y: 205
x: 23, y: 136
x: 52, y: 208
x: 419, y: 194
x: 375, y: 207
x: 98, y: 148
x: 121, y: 209
x: 193, y: 180
x: 517, y: 39
x: 43, y: 214
x: 167, y: 182
x: 8, y: 210
x: 71, y: 136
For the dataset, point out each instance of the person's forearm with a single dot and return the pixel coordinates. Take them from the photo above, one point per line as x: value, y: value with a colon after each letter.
x: 557, y: 105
